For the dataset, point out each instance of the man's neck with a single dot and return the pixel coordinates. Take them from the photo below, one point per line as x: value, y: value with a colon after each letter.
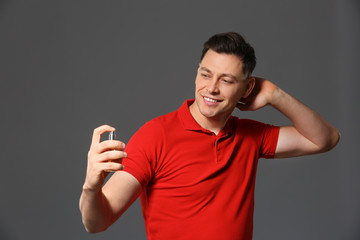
x: 214, y: 125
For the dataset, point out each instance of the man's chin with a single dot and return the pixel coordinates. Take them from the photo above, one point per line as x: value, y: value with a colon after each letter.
x: 216, y: 115
x: 213, y: 115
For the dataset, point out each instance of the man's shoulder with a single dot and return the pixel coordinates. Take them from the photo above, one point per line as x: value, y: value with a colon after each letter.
x: 249, y: 125
x: 164, y: 119
x: 158, y: 124
x: 245, y: 121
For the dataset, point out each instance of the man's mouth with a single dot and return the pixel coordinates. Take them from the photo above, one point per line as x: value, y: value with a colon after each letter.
x: 211, y: 100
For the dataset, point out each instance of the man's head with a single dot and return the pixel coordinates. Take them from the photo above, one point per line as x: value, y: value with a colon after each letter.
x: 223, y: 77
x: 234, y: 44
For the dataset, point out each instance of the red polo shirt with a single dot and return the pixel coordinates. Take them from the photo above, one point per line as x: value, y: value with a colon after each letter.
x: 198, y: 185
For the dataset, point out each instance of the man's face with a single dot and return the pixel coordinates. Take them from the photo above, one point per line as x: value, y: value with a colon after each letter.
x: 220, y: 83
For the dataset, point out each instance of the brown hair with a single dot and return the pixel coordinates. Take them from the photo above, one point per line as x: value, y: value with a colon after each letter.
x: 232, y: 43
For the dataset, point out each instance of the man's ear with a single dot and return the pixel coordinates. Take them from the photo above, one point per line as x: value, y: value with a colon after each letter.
x: 249, y: 86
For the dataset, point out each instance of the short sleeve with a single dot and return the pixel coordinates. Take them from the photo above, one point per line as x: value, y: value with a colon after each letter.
x: 269, y: 141
x: 143, y: 150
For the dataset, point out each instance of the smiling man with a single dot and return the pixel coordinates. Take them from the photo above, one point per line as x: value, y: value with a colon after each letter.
x: 194, y: 169
x: 220, y: 84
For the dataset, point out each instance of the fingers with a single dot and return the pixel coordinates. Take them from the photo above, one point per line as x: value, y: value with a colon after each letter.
x: 98, y: 131
x: 107, y: 145
x: 243, y: 104
x: 103, y: 157
x: 102, y: 153
x: 111, y: 156
x: 112, y: 167
x: 243, y: 107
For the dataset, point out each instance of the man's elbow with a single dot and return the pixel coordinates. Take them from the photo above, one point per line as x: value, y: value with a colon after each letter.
x: 93, y: 229
x: 331, y: 141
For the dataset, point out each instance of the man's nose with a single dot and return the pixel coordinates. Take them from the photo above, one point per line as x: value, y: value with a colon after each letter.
x: 213, y: 87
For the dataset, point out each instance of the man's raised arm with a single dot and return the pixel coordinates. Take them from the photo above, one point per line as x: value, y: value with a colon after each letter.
x: 101, y: 206
x: 310, y: 132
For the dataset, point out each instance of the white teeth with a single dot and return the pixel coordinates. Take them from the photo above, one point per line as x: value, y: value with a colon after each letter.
x: 210, y: 100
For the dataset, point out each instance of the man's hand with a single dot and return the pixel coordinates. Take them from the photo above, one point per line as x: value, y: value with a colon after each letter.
x: 103, y: 157
x: 261, y: 95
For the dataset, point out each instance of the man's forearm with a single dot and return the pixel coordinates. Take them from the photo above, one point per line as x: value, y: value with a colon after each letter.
x: 94, y: 210
x: 306, y: 121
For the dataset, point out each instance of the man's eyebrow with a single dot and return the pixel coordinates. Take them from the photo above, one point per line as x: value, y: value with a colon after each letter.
x: 205, y: 69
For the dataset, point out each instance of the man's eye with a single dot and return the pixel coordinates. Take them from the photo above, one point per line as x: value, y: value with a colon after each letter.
x: 227, y: 81
x: 205, y: 75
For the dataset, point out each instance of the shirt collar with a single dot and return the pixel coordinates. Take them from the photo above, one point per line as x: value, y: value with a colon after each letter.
x: 189, y: 123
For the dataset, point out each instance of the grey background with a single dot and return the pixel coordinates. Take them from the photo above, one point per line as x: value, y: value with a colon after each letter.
x: 67, y: 67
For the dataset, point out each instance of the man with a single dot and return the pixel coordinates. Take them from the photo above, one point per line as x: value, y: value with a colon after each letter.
x: 194, y: 169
